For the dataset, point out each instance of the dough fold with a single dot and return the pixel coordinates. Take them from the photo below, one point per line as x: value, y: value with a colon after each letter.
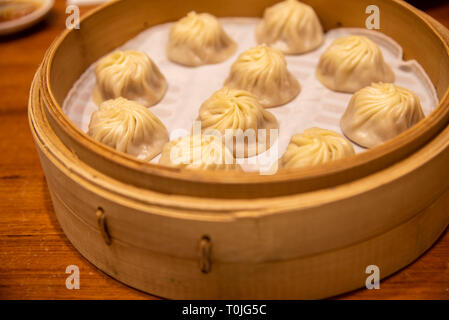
x: 379, y: 113
x: 128, y: 127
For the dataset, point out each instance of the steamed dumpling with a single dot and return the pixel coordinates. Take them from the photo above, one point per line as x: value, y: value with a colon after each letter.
x: 205, y: 152
x: 352, y: 63
x: 128, y: 127
x: 199, y: 39
x: 380, y: 112
x: 315, y: 146
x: 131, y: 75
x: 290, y: 26
x: 263, y: 72
x: 236, y: 113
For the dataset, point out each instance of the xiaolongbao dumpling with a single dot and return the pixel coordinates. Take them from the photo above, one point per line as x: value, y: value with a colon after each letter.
x: 205, y: 152
x: 315, y: 146
x: 352, y: 63
x: 380, y: 112
x: 290, y: 26
x: 128, y: 127
x: 263, y: 72
x: 236, y: 114
x: 199, y: 39
x: 131, y: 75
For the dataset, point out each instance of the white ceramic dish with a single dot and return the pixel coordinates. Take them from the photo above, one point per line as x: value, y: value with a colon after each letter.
x: 26, y: 21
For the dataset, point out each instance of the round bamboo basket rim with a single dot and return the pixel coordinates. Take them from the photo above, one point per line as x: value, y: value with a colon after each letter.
x: 384, y: 155
x: 229, y: 208
x: 323, y: 202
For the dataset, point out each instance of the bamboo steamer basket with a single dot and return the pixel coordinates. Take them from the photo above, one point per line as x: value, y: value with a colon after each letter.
x: 297, y: 234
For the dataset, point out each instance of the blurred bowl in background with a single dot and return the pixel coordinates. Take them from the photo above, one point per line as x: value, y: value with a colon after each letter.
x: 17, y: 15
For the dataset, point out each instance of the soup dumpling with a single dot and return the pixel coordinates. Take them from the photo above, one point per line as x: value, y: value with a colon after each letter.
x: 128, y: 127
x: 199, y: 39
x: 380, y: 112
x: 238, y: 117
x: 263, y: 72
x: 290, y: 26
x: 129, y: 74
x: 352, y: 63
x: 315, y: 146
x: 204, y: 152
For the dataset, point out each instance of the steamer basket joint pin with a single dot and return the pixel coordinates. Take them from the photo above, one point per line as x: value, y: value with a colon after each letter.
x: 205, y: 254
x: 102, y: 225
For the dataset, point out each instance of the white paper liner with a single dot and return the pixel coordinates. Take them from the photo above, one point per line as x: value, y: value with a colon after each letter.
x: 188, y: 88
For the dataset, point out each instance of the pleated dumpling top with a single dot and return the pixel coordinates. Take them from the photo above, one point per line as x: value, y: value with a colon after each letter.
x: 128, y: 127
x: 379, y: 113
x: 352, y: 63
x: 315, y: 146
x: 263, y: 72
x: 236, y: 114
x: 199, y: 39
x: 199, y: 152
x: 129, y: 74
x: 290, y: 26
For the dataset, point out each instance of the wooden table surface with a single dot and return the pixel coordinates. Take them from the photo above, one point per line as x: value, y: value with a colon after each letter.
x: 34, y: 252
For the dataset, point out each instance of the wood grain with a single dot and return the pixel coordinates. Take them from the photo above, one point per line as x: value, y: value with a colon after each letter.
x: 33, y: 250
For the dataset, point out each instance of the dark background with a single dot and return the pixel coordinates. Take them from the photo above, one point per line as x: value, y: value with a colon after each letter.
x: 426, y: 4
